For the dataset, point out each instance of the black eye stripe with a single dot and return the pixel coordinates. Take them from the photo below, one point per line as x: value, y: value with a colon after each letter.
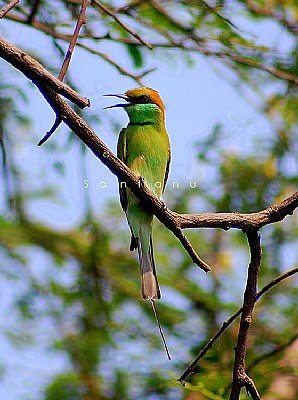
x: 143, y: 99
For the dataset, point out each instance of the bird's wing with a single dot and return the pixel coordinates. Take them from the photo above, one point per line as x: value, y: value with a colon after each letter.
x: 121, y: 153
x: 167, y: 170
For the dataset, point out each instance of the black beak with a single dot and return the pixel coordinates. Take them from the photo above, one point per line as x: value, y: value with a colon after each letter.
x: 120, y: 96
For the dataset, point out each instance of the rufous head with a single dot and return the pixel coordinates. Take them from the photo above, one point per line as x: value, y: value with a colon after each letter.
x: 140, y: 95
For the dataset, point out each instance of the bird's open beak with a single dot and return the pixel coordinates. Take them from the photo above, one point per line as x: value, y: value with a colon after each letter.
x: 120, y: 96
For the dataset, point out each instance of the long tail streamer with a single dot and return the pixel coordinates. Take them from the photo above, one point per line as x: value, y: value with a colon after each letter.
x: 160, y: 330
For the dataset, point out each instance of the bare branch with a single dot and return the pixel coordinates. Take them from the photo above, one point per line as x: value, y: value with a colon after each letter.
x: 173, y: 221
x: 80, y: 22
x: 108, y: 11
x: 37, y: 73
x: 8, y: 7
x: 276, y: 281
x: 117, y: 167
x: 270, y: 12
x: 230, y: 320
x: 240, y: 378
x: 49, y: 31
x: 213, y: 11
x: 145, y: 22
x: 56, y: 124
x: 249, y: 223
x: 271, y: 70
x: 257, y: 220
x: 174, y: 21
x: 188, y: 247
x: 34, y: 11
x: 199, y: 48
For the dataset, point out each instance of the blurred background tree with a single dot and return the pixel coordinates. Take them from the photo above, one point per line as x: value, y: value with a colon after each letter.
x: 73, y: 324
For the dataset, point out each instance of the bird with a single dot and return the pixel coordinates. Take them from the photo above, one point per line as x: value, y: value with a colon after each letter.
x: 144, y: 146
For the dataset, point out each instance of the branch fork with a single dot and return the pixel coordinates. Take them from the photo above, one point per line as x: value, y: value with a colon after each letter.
x: 49, y: 86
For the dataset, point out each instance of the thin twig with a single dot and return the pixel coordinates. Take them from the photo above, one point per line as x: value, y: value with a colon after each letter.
x: 270, y: 12
x: 213, y: 11
x: 194, y: 256
x: 157, y: 5
x: 108, y: 11
x: 37, y: 73
x: 80, y: 22
x: 56, y: 124
x: 276, y: 281
x: 117, y: 167
x: 8, y: 7
x: 271, y: 70
x: 228, y: 56
x: 49, y: 31
x: 144, y: 22
x: 34, y: 11
x: 131, y: 6
x: 173, y: 221
x: 230, y: 320
x: 240, y: 378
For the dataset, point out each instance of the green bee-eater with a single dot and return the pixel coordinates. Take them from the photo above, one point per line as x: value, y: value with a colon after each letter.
x: 144, y: 146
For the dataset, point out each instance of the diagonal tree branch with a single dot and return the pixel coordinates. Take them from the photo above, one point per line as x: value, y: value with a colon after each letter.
x: 8, y: 7
x: 108, y: 11
x: 249, y: 223
x: 276, y: 281
x: 116, y: 166
x: 173, y: 221
x: 84, y: 132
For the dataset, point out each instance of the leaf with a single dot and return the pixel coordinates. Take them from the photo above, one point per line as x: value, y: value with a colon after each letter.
x: 136, y: 55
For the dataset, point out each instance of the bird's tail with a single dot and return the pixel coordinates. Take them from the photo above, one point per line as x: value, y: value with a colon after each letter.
x: 149, y: 283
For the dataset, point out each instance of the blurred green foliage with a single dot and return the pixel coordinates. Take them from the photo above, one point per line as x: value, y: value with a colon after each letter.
x: 89, y: 290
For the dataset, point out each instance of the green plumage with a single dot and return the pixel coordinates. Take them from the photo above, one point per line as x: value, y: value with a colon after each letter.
x: 145, y: 148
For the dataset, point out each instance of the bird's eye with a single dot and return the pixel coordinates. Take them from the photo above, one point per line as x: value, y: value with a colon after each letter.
x: 143, y: 99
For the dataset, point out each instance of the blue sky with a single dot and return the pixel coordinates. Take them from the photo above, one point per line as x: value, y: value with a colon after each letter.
x: 196, y: 98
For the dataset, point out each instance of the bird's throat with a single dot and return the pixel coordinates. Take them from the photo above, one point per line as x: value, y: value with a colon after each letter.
x: 144, y: 114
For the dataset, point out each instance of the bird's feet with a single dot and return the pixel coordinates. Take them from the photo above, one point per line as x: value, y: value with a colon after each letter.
x: 163, y: 204
x: 141, y: 181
